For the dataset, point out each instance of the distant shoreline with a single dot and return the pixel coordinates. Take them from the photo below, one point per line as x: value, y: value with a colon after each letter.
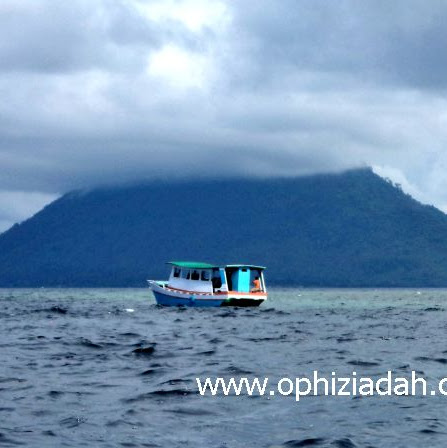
x: 275, y: 287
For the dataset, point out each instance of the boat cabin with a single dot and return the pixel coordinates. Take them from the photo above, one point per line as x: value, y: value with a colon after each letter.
x: 245, y: 278
x: 208, y: 278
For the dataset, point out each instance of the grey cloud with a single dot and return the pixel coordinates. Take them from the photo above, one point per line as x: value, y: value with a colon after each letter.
x: 399, y: 42
x: 59, y: 37
x: 54, y: 37
x: 293, y: 87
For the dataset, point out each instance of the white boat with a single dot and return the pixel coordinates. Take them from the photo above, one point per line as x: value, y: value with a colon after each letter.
x: 202, y: 285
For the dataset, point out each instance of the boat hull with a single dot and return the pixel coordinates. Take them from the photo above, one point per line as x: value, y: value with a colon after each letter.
x: 169, y: 297
x: 168, y: 300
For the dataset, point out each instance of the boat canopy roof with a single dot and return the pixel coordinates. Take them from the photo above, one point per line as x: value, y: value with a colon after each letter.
x: 200, y: 265
x: 193, y: 265
x: 250, y: 266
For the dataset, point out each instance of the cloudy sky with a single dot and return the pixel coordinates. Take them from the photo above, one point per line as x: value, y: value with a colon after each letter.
x: 106, y: 91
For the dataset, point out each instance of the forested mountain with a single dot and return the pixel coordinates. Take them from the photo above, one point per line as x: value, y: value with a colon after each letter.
x: 349, y: 229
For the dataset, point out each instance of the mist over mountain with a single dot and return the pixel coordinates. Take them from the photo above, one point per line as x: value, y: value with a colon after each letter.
x: 349, y: 229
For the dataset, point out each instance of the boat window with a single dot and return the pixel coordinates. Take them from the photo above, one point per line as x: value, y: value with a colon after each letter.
x: 195, y: 275
x: 186, y: 273
x: 177, y: 272
x: 205, y: 276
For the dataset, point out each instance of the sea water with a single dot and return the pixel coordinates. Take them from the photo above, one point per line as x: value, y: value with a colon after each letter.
x: 108, y: 367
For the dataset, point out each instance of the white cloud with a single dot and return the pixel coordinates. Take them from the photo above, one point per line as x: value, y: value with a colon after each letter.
x: 16, y: 206
x: 194, y: 14
x: 398, y: 178
x: 180, y: 68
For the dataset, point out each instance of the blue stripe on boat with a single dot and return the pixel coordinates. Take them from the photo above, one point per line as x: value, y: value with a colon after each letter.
x: 165, y: 300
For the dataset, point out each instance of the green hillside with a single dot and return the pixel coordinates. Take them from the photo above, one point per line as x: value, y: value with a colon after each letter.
x: 349, y: 229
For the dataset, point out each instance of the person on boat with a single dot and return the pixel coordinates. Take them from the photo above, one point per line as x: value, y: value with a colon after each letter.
x: 257, y: 285
x: 216, y: 280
